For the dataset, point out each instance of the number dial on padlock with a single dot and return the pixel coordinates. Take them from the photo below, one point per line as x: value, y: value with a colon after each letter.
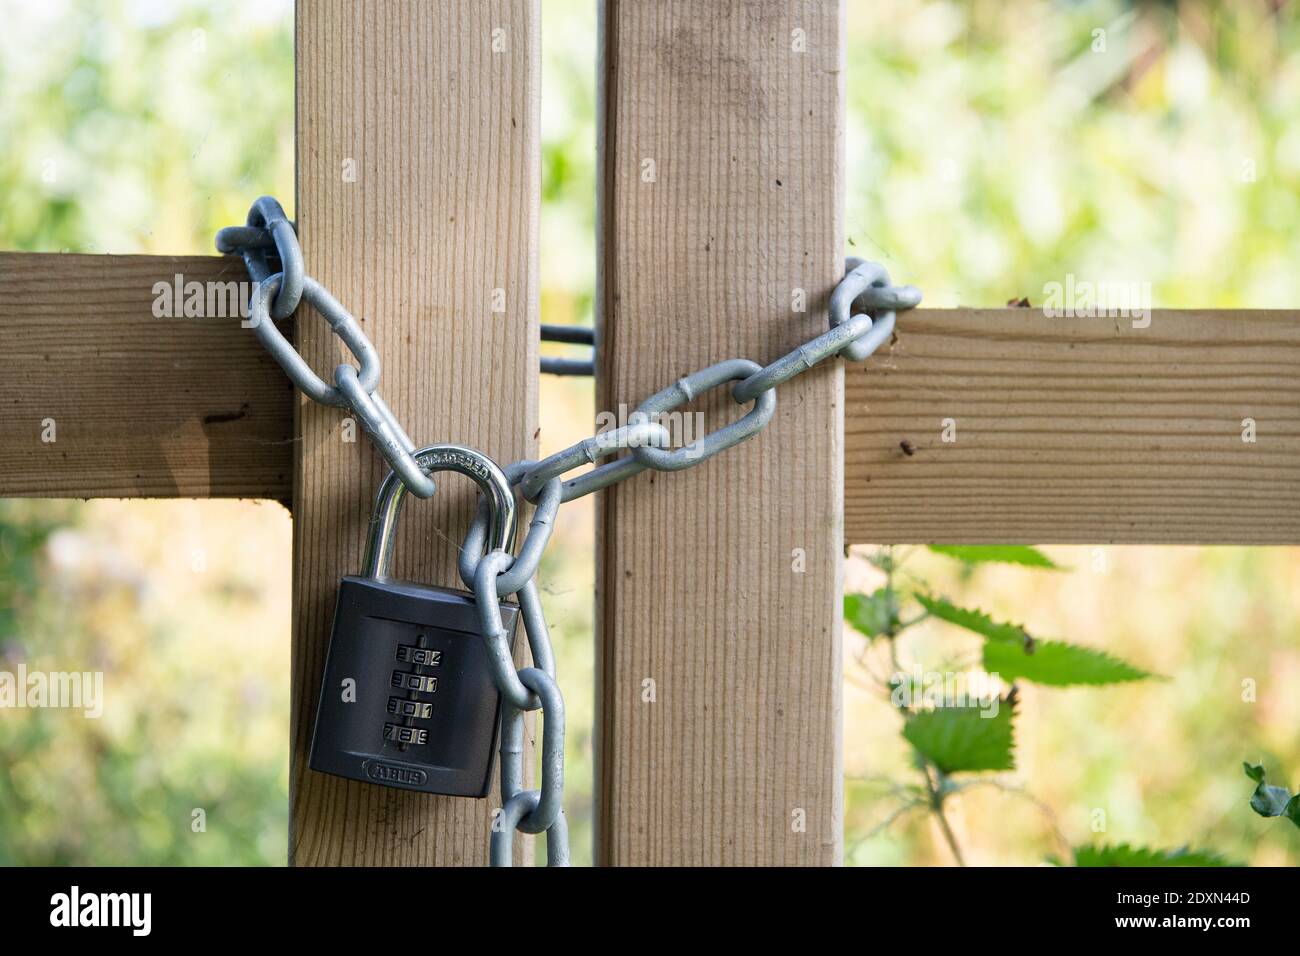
x: 426, y: 710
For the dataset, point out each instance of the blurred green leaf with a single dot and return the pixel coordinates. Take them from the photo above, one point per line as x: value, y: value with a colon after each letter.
x: 972, y: 620
x: 1021, y: 554
x: 872, y: 614
x: 957, y: 739
x: 1269, y: 800
x: 1122, y: 854
x: 1057, y: 664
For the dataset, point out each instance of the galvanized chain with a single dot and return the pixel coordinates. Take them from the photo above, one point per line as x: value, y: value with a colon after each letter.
x: 862, y: 311
x: 269, y: 230
x: 862, y: 318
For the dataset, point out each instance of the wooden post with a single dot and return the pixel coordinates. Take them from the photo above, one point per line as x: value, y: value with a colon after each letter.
x: 417, y: 206
x: 719, y: 697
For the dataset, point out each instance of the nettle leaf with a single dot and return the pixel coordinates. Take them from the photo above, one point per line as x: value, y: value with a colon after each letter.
x: 967, y: 738
x: 1057, y: 664
x: 1269, y: 800
x: 1292, y: 810
x: 1011, y: 653
x: 871, y: 614
x: 972, y: 620
x: 1020, y: 554
x: 1121, y: 854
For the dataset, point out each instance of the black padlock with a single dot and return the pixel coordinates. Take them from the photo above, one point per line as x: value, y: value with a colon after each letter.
x: 422, y: 710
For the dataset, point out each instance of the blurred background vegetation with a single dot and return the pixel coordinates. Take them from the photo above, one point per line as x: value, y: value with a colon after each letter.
x: 992, y: 148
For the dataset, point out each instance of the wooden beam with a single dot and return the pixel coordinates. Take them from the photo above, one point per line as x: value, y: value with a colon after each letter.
x: 1077, y: 430
x: 1068, y: 430
x: 720, y: 587
x: 141, y: 406
x: 417, y: 198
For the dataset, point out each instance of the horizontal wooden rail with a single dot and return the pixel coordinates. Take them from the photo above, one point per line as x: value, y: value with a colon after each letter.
x: 1085, y: 430
x: 138, y: 406
x: 1066, y: 429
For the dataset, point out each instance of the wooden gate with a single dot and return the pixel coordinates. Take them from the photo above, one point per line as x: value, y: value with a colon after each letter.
x: 721, y: 193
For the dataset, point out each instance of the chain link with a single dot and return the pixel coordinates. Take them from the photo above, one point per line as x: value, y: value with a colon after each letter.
x: 862, y: 317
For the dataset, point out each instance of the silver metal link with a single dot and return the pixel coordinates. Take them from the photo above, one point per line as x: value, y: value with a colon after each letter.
x: 535, y: 626
x: 496, y: 640
x: 268, y: 228
x: 530, y: 552
x: 340, y: 321
x: 378, y: 422
x: 861, y: 318
x: 589, y: 451
x: 354, y: 388
x: 610, y: 473
x: 728, y: 436
x: 387, y: 414
x: 501, y: 852
x: 866, y: 288
x: 801, y: 359
x: 512, y: 730
x: 512, y: 720
x: 239, y: 239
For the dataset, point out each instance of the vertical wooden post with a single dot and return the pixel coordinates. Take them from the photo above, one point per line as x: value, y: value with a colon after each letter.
x: 719, y: 727
x: 417, y: 205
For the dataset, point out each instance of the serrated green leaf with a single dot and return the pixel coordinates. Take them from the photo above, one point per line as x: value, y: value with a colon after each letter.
x: 1057, y: 664
x: 976, y: 621
x: 1011, y: 652
x: 1020, y: 554
x: 1121, y: 854
x: 1254, y: 771
x: 871, y: 614
x: 1292, y: 810
x: 957, y: 739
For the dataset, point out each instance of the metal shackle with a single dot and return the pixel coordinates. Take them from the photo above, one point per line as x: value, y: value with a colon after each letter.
x: 467, y: 461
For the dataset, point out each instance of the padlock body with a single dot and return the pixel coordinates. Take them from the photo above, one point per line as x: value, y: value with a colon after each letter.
x: 422, y: 713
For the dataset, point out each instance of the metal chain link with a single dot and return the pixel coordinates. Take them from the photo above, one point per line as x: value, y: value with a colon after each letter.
x: 862, y: 316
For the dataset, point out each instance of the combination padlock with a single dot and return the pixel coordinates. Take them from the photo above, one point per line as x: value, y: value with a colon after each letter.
x: 407, y: 699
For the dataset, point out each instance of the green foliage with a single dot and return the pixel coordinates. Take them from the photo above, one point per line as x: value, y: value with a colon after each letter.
x: 154, y: 160
x: 872, y: 614
x: 964, y: 738
x: 1090, y: 199
x: 132, y: 127
x: 23, y: 534
x: 1021, y: 554
x: 1122, y: 854
x: 1269, y: 800
x: 192, y: 717
x: 960, y: 730
x: 1011, y: 653
x: 1057, y: 664
x: 975, y: 621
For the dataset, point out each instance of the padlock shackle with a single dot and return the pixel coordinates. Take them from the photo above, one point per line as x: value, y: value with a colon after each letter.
x: 473, y: 464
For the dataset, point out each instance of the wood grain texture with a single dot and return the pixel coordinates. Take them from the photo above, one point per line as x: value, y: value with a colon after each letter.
x: 1082, y: 430
x: 142, y: 406
x: 443, y: 210
x: 1069, y: 430
x: 737, y: 760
